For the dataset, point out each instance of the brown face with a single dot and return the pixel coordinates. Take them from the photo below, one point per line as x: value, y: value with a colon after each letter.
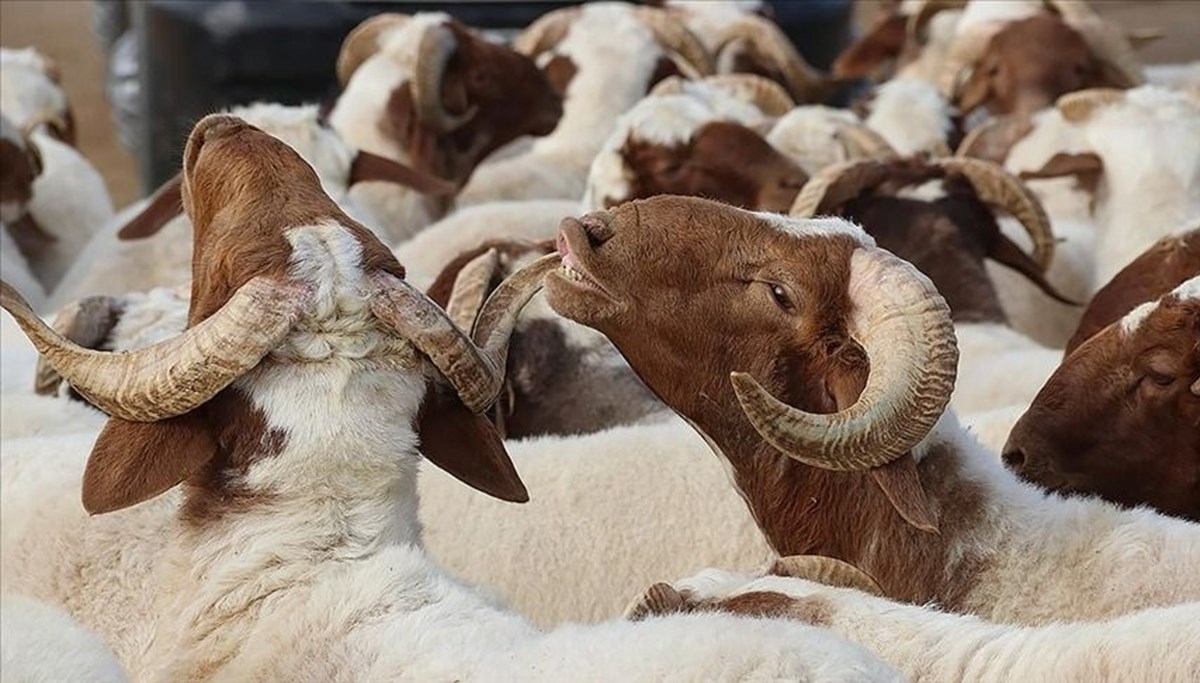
x: 723, y: 161
x: 1028, y: 65
x: 651, y: 272
x: 513, y: 96
x: 1121, y: 417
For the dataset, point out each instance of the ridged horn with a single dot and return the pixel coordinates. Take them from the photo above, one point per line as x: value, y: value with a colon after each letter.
x: 827, y: 570
x: 87, y: 322
x: 179, y: 374
x: 997, y: 188
x: 904, y: 326
x: 1079, y: 106
x: 674, y: 36
x: 545, y: 32
x: 436, y: 47
x: 470, y: 288
x: 363, y: 41
x: 804, y: 82
x: 860, y: 142
x: 836, y: 184
x: 660, y: 598
x: 917, y: 21
x: 767, y: 95
x: 474, y: 367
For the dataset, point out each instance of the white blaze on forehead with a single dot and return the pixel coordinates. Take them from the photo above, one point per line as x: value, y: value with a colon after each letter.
x: 816, y: 227
x: 1190, y: 289
x: 1133, y: 320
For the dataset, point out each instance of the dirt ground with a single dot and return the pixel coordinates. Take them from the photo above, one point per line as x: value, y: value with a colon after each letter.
x: 62, y: 29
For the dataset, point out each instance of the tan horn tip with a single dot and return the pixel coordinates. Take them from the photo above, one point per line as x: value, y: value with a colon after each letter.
x: 659, y: 599
x: 827, y: 570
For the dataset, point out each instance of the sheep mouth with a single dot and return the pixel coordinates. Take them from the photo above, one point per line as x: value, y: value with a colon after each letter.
x: 575, y: 273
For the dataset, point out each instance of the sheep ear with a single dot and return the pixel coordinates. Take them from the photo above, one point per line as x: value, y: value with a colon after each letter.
x: 974, y: 92
x: 467, y: 447
x: 1087, y: 168
x: 901, y: 483
x: 884, y: 42
x: 135, y: 461
x: 368, y: 167
x: 1007, y: 253
x: 165, y: 204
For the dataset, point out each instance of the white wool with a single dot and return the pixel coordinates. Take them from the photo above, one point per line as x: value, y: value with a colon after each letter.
x: 14, y: 269
x: 1133, y: 320
x: 992, y: 427
x: 26, y: 414
x: 667, y: 120
x: 998, y: 366
x: 42, y: 644
x: 1190, y: 289
x: 816, y: 227
x: 911, y: 115
x: 26, y: 92
x: 299, y: 126
x: 983, y: 12
x: 708, y: 19
x: 809, y: 136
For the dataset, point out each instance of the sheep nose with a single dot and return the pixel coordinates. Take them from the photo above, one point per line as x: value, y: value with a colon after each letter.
x: 597, y: 228
x: 1014, y: 459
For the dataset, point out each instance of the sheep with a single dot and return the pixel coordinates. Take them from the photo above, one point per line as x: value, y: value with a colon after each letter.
x: 43, y: 645
x: 913, y: 117
x: 31, y: 93
x: 51, y: 199
x: 908, y: 42
x: 1159, y: 269
x: 317, y: 287
x: 697, y: 295
x: 938, y: 216
x: 1023, y: 57
x: 1120, y: 418
x: 603, y: 57
x: 149, y: 244
x: 928, y: 645
x: 427, y: 91
x: 817, y: 136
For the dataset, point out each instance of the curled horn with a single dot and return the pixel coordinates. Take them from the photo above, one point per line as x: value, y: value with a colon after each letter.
x: 1078, y: 106
x: 470, y: 287
x: 437, y: 46
x: 473, y: 366
x: 904, y: 326
x: 660, y: 598
x: 177, y: 375
x: 87, y: 322
x: 767, y: 95
x: 836, y: 184
x: 363, y: 41
x: 997, y: 188
x: 546, y: 32
x: 1106, y: 41
x: 827, y: 570
x: 803, y: 81
x: 992, y: 139
x: 860, y: 141
x: 674, y: 36
x: 918, y: 20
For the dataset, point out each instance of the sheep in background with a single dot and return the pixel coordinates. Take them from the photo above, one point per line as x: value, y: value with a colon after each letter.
x: 32, y: 96
x: 909, y: 41
x: 319, y: 287
x: 817, y: 136
x: 913, y: 117
x: 1120, y: 418
x: 427, y: 91
x: 603, y: 58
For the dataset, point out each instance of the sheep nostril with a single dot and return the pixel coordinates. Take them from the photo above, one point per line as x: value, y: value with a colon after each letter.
x: 1014, y: 459
x: 597, y: 229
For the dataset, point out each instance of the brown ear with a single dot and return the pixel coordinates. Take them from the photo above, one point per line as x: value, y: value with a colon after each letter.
x: 884, y: 42
x: 975, y: 91
x: 135, y: 461
x: 467, y: 447
x: 369, y: 167
x: 1005, y: 252
x: 902, y: 485
x: 165, y: 204
x: 1086, y: 167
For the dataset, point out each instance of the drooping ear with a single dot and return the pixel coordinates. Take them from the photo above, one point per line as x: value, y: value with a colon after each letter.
x: 901, y: 483
x: 560, y: 71
x: 402, y: 124
x: 1086, y: 167
x: 135, y: 461
x: 467, y: 447
x: 883, y: 43
x: 975, y: 91
x: 372, y: 167
x: 1006, y: 252
x: 165, y: 204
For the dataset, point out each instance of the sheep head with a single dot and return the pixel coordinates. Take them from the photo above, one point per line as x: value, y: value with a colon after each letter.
x: 464, y: 97
x: 772, y: 335
x: 20, y: 166
x: 1120, y: 418
x: 280, y: 276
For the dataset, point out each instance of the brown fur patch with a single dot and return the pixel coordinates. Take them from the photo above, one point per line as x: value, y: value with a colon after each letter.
x: 871, y: 54
x: 814, y: 611
x: 560, y: 71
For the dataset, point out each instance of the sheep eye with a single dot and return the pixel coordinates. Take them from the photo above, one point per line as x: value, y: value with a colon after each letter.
x: 1160, y: 379
x: 781, y: 298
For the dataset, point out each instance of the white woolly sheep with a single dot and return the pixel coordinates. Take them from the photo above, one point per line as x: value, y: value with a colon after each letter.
x: 331, y: 294
x: 31, y: 93
x: 43, y: 645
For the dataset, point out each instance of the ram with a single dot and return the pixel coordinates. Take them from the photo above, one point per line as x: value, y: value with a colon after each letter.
x: 1120, y: 418
x: 909, y: 41
x: 829, y: 410
x: 428, y: 92
x: 276, y: 467
x: 603, y: 58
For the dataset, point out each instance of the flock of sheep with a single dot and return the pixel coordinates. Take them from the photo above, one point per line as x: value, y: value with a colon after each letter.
x: 908, y: 390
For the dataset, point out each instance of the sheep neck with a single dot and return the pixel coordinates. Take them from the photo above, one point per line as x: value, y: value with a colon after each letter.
x: 803, y: 510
